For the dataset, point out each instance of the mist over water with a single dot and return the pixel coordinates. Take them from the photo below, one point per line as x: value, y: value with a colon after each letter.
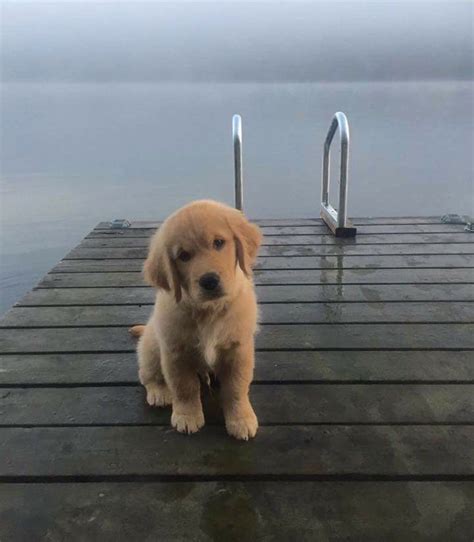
x: 124, y: 111
x: 237, y: 41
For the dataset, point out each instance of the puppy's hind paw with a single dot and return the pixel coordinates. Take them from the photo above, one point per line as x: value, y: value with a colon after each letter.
x: 242, y: 428
x: 158, y: 395
x: 187, y: 423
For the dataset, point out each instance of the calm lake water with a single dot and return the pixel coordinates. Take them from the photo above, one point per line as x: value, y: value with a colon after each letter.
x: 76, y: 154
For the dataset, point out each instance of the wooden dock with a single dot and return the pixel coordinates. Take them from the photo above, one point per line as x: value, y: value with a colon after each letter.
x: 364, y: 388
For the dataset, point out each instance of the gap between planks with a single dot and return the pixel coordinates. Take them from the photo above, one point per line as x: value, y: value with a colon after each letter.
x: 176, y: 478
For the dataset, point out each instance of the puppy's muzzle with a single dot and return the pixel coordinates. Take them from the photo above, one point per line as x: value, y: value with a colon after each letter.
x: 210, y: 284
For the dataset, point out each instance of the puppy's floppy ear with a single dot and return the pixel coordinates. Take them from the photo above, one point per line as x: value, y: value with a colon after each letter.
x: 155, y: 268
x: 248, y: 238
x: 159, y: 268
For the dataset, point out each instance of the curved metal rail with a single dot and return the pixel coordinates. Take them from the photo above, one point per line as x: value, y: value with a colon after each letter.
x: 337, y: 220
x: 237, y: 139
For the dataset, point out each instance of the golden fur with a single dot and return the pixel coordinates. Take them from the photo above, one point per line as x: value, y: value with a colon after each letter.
x: 193, y: 331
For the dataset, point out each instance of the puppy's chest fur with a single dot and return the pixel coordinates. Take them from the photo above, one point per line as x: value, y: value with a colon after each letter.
x: 214, y: 339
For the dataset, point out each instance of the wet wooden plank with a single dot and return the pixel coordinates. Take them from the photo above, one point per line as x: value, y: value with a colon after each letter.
x: 317, y: 229
x: 319, y: 293
x: 331, y: 249
x: 343, y: 250
x: 300, y: 221
x: 238, y: 511
x: 396, y: 220
x: 439, y: 261
x: 309, y: 451
x: 278, y: 240
x: 118, y: 315
x: 275, y: 337
x: 288, y: 366
x: 291, y: 276
x: 297, y: 404
x: 127, y: 315
x: 363, y: 277
x: 362, y: 230
x: 441, y: 238
x: 436, y: 261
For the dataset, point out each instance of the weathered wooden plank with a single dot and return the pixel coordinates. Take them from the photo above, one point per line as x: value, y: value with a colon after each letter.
x: 98, y: 266
x: 439, y: 261
x: 310, y: 451
x: 396, y: 220
x: 367, y: 312
x: 362, y: 276
x: 316, y: 229
x: 297, y: 404
x: 343, y: 250
x: 239, y: 511
x: 118, y: 315
x: 290, y: 276
x: 275, y: 337
x: 435, y: 261
x: 127, y: 315
x: 360, y: 221
x: 442, y: 238
x: 297, y: 366
x: 277, y: 240
x: 319, y: 293
x: 362, y: 229
x: 97, y: 368
x: 300, y: 221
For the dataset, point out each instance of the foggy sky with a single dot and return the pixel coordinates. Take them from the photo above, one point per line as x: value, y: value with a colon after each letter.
x: 225, y: 41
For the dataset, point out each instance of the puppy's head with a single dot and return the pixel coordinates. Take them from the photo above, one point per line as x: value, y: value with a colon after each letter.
x: 202, y: 248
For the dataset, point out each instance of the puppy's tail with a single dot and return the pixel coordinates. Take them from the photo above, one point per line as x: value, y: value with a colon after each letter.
x: 136, y: 331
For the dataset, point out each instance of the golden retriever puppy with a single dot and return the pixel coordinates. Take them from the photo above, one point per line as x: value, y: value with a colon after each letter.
x: 205, y: 315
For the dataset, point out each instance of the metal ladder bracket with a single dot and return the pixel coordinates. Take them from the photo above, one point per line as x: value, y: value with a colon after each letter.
x: 337, y: 220
x: 237, y: 140
x: 452, y: 218
x: 329, y: 215
x: 120, y: 223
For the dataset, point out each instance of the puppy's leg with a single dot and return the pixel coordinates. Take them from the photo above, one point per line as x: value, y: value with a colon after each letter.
x: 183, y: 380
x: 235, y: 374
x: 149, y: 369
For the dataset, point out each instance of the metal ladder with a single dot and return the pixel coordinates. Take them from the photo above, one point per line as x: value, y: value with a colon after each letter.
x: 336, y: 220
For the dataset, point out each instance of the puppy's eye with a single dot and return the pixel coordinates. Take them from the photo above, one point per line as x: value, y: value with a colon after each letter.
x: 218, y: 243
x: 184, y: 256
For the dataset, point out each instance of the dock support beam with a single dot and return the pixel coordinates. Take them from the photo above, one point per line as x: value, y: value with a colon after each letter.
x: 337, y: 220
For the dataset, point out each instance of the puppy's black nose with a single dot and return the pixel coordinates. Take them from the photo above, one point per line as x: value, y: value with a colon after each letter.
x: 209, y: 281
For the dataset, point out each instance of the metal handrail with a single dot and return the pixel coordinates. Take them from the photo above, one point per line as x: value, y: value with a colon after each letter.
x: 337, y: 220
x: 237, y: 139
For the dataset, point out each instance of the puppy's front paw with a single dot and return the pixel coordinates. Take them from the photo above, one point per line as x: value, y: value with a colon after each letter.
x: 242, y: 428
x: 187, y: 423
x: 158, y: 394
